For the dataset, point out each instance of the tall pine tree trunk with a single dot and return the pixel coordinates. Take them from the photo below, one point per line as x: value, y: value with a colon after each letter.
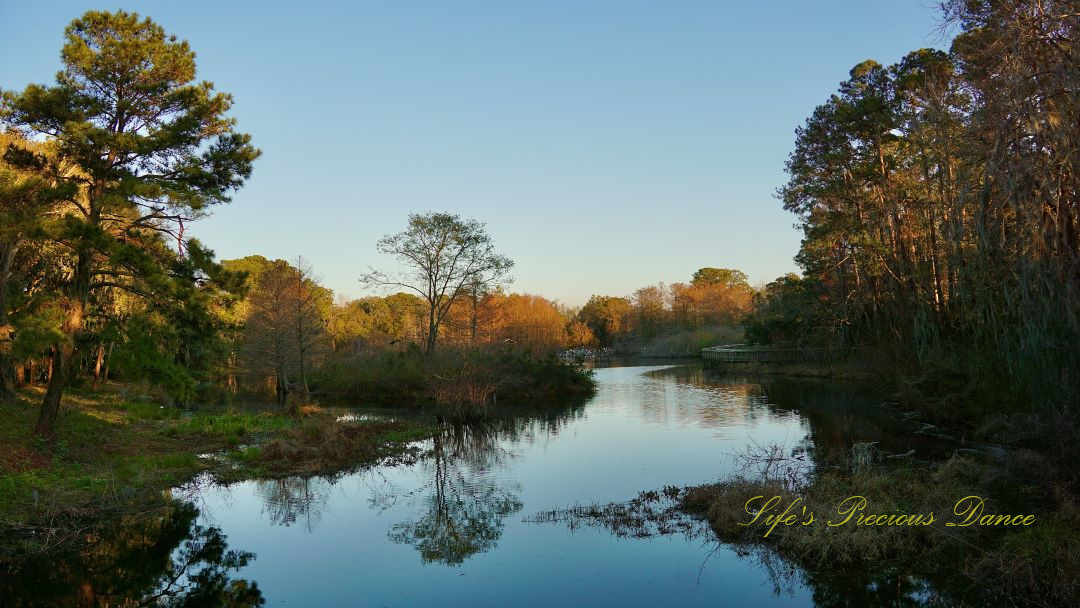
x: 64, y: 355
x: 60, y: 368
x: 7, y: 332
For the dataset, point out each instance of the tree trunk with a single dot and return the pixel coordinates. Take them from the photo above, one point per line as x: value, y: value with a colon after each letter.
x: 108, y: 359
x: 472, y: 323
x: 99, y: 360
x: 301, y: 317
x: 281, y: 390
x: 303, y: 382
x: 8, y: 378
x: 231, y: 379
x: 59, y: 369
x: 433, y: 330
x: 64, y: 357
x: 7, y: 333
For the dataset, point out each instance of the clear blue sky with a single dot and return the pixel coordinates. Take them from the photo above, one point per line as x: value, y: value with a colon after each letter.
x: 607, y: 145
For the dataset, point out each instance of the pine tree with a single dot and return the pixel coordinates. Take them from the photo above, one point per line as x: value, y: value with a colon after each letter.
x: 153, y: 149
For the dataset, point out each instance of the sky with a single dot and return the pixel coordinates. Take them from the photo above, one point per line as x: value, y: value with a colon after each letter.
x: 607, y: 145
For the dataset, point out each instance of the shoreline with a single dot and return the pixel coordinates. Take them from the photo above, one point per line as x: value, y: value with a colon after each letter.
x: 114, y: 458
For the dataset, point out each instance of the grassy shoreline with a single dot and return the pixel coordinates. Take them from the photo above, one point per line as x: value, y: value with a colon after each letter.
x: 1021, y: 461
x: 1032, y: 564
x: 113, y: 456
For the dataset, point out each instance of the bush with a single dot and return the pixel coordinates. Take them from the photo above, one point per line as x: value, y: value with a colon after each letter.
x: 461, y: 380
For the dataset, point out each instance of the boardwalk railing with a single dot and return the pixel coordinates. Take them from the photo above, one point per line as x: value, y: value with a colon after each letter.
x: 742, y: 353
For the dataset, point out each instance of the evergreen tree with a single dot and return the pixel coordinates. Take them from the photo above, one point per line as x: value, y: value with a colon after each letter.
x: 152, y: 150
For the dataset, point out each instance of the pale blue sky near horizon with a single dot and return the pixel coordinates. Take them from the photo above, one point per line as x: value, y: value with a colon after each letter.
x: 606, y: 145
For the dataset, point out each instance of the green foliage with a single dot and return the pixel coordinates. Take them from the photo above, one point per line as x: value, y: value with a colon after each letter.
x: 388, y: 377
x: 143, y: 354
x: 138, y: 148
x: 935, y: 201
x: 375, y: 321
x: 230, y: 425
x: 36, y: 332
x: 787, y: 310
x: 606, y: 317
x: 472, y: 379
x: 689, y: 342
x: 727, y: 277
x: 117, y: 457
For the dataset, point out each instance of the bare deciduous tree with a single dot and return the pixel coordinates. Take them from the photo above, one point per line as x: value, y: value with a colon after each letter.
x: 445, y: 257
x: 285, y: 327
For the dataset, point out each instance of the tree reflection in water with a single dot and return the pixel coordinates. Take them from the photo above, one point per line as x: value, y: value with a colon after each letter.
x: 883, y: 585
x: 166, y: 561
x: 838, y: 413
x: 463, y: 507
x: 836, y: 417
x: 294, y: 499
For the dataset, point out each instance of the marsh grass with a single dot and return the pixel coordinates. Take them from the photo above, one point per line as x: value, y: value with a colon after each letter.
x: 1031, y: 565
x: 1034, y: 565
x: 322, y: 445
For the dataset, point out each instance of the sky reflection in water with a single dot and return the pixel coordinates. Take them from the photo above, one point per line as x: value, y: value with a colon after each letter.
x: 450, y: 529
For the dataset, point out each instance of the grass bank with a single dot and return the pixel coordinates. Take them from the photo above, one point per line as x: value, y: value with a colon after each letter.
x: 113, y: 456
x: 1024, y: 565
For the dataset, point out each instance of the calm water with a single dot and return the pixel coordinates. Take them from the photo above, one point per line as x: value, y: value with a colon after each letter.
x: 452, y: 527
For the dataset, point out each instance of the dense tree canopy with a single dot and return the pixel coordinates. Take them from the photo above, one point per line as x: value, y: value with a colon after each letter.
x: 938, y: 199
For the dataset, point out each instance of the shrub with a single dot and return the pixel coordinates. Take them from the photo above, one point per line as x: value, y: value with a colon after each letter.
x: 458, y: 379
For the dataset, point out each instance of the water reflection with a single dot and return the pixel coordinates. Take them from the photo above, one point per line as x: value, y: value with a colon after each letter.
x: 294, y: 500
x: 166, y: 561
x: 453, y: 522
x: 459, y: 508
x: 884, y: 586
x: 462, y: 510
x: 836, y: 414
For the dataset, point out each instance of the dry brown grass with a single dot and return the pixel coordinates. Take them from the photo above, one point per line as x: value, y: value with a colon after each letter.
x: 322, y: 444
x: 724, y: 505
x: 1030, y: 565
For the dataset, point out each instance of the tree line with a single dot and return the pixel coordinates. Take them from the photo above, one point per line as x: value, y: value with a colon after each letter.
x: 715, y: 299
x: 101, y: 174
x: 938, y: 202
